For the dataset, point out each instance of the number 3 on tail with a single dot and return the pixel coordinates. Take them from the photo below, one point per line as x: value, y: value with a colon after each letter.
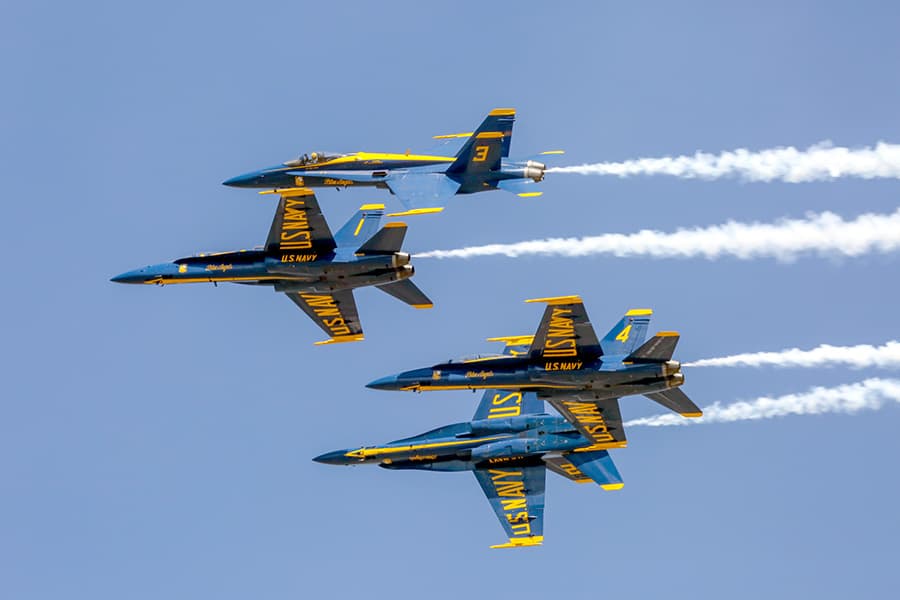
x: 481, y: 153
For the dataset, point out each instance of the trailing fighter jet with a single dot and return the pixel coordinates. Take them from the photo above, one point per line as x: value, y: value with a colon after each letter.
x: 316, y: 270
x: 509, y: 445
x: 463, y: 163
x: 565, y: 364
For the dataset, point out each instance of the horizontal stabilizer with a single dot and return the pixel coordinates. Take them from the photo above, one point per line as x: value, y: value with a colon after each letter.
x: 659, y: 348
x: 406, y: 291
x: 388, y: 240
x: 524, y: 188
x: 561, y: 466
x: 676, y: 400
x: 599, y: 466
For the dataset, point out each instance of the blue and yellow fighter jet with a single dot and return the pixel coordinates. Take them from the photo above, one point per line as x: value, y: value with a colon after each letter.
x: 565, y: 364
x: 463, y: 163
x: 509, y: 445
x: 316, y: 270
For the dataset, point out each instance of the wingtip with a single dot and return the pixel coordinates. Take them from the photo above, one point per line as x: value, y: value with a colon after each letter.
x: 609, y: 487
x: 557, y: 300
x: 422, y: 306
x: 534, y: 540
x: 530, y: 194
x: 692, y: 415
x: 341, y: 339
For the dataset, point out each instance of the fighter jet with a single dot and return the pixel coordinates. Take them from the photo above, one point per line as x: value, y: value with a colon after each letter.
x: 565, y: 364
x: 301, y: 259
x: 462, y: 163
x: 509, y: 445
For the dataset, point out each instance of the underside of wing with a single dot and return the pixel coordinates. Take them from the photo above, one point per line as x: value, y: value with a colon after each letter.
x: 600, y: 421
x: 421, y: 193
x: 335, y: 313
x: 516, y: 494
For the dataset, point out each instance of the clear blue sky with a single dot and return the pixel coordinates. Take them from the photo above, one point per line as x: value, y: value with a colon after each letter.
x: 156, y: 443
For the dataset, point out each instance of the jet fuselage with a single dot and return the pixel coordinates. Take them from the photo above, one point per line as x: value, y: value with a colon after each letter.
x: 363, y: 169
x: 469, y: 445
x: 603, y: 377
x: 285, y: 271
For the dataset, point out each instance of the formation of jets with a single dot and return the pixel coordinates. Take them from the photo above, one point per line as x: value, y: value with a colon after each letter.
x: 511, y: 440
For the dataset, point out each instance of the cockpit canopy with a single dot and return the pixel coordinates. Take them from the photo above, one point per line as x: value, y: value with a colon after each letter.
x: 312, y: 158
x: 477, y: 357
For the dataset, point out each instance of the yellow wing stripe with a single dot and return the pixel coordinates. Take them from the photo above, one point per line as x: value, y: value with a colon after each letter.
x: 523, y: 542
x: 416, y: 211
x: 513, y: 340
x: 453, y: 135
x: 340, y: 339
x: 558, y: 300
x: 365, y: 452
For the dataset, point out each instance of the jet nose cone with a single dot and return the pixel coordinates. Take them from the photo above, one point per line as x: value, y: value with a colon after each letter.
x: 129, y: 277
x: 391, y: 382
x: 245, y: 180
x: 338, y: 457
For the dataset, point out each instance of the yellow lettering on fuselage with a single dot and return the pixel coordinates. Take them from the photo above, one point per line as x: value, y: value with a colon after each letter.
x: 330, y: 181
x: 295, y: 258
x: 563, y: 366
x: 479, y: 374
x: 510, y: 486
x: 324, y: 306
x: 560, y: 334
x: 509, y: 405
x: 295, y: 233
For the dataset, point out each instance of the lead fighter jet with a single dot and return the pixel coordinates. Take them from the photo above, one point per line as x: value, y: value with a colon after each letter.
x: 565, y: 364
x: 509, y: 445
x: 463, y: 163
x: 316, y: 270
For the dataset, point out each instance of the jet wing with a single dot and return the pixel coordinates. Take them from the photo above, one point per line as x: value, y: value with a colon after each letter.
x: 421, y: 193
x: 299, y: 226
x: 565, y: 332
x: 335, y: 313
x: 500, y: 404
x: 516, y: 494
x: 600, y: 421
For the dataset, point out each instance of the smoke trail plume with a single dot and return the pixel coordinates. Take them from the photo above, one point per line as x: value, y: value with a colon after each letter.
x: 855, y: 357
x: 870, y: 394
x: 825, y: 234
x: 819, y: 162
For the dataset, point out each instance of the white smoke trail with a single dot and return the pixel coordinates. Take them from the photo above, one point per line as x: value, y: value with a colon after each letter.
x: 870, y: 394
x: 819, y: 162
x: 855, y: 357
x: 820, y: 234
